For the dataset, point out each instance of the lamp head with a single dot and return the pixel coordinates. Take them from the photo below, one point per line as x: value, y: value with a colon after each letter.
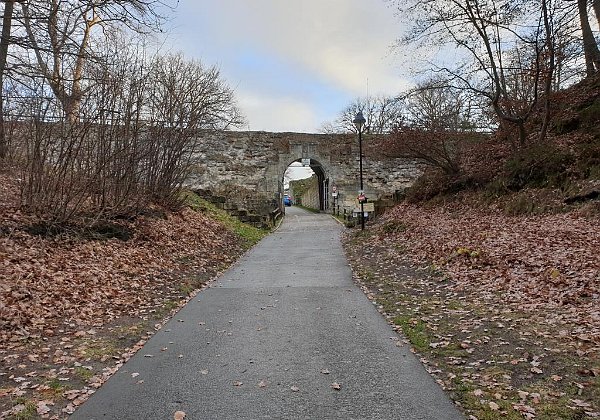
x: 359, y: 121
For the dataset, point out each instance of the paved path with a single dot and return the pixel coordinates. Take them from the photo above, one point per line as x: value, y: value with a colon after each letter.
x: 284, y: 313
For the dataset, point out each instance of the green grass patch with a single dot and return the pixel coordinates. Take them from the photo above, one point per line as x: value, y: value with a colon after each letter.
x: 131, y: 331
x: 57, y: 388
x: 368, y: 275
x: 249, y: 234
x: 29, y: 412
x: 83, y: 373
x: 478, y: 406
x: 188, y: 287
x: 394, y: 226
x: 415, y: 330
x: 98, y: 349
x: 165, y: 309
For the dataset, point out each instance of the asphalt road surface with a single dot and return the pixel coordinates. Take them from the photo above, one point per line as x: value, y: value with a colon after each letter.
x: 268, y: 340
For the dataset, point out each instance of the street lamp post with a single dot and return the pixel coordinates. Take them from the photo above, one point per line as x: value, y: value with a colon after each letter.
x: 359, y: 121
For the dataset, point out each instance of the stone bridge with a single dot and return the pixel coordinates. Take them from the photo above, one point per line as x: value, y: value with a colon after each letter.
x: 248, y: 167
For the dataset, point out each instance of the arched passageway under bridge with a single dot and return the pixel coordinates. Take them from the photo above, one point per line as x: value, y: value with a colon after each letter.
x: 249, y: 166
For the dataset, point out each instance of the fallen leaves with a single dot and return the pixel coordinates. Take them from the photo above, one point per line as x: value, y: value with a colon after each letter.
x: 42, y: 407
x: 60, y: 295
x: 494, y: 406
x: 46, y: 279
x: 179, y: 415
x: 513, y: 256
x: 503, y: 307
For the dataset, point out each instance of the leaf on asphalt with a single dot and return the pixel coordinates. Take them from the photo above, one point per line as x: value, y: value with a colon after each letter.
x: 179, y: 415
x: 204, y: 372
x: 336, y: 386
x: 325, y: 371
x: 135, y: 375
x: 262, y: 384
x: 294, y: 388
x: 238, y: 383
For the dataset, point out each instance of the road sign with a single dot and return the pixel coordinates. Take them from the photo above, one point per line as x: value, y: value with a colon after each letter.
x: 305, y: 162
x: 334, y: 188
x: 367, y: 207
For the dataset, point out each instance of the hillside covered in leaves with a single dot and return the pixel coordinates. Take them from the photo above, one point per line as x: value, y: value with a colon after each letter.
x: 492, y: 272
x: 75, y: 303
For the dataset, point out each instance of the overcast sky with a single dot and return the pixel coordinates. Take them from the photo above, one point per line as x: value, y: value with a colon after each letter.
x: 294, y: 64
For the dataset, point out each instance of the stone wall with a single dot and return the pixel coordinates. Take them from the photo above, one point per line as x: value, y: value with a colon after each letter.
x: 256, y: 162
x: 306, y: 192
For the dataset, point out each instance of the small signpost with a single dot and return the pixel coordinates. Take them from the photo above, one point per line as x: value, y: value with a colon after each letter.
x: 334, y: 192
x: 305, y: 162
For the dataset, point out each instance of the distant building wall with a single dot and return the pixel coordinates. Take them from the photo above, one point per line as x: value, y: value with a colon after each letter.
x: 306, y: 192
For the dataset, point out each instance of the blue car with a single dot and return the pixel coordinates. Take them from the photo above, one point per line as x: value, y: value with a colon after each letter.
x: 287, y: 201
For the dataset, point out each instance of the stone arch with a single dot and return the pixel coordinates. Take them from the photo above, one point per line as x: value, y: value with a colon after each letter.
x: 322, y: 174
x: 256, y: 161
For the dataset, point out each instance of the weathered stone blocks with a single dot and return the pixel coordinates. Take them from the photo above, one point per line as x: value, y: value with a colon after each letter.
x: 255, y: 162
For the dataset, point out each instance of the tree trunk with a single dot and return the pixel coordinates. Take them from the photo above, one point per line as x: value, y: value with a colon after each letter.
x: 522, y: 133
x: 590, y: 47
x: 4, y: 42
x: 596, y: 6
x: 549, y: 74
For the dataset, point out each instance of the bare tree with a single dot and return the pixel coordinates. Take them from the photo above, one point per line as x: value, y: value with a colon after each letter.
x: 5, y: 41
x: 183, y: 98
x: 438, y: 149
x: 382, y: 114
x: 436, y: 106
x: 142, y: 121
x: 506, y: 46
x: 60, y: 35
x: 590, y: 46
x: 596, y: 6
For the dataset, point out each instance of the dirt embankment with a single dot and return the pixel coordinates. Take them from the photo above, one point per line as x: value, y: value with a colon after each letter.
x: 504, y: 310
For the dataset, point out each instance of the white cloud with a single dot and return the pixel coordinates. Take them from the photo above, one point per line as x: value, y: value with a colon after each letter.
x: 276, y: 113
x: 344, y: 41
x: 337, y: 49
